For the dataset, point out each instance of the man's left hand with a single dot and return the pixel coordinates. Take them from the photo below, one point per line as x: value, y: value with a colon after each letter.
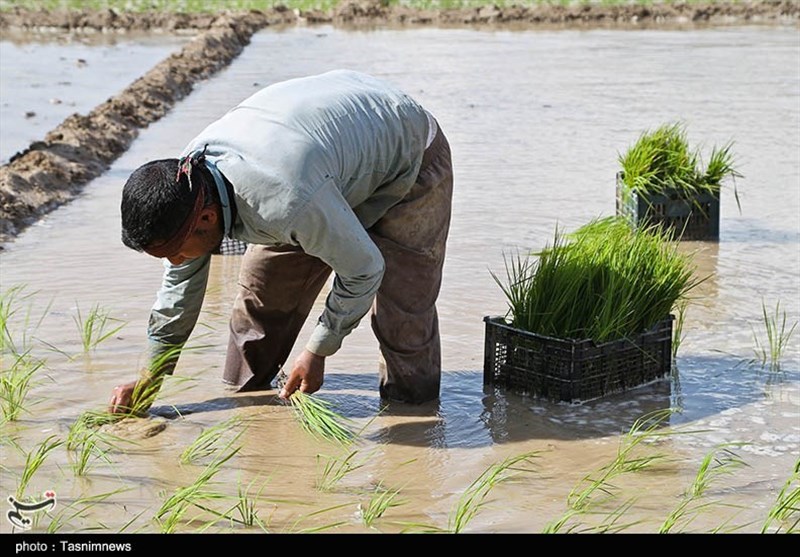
x: 307, y: 375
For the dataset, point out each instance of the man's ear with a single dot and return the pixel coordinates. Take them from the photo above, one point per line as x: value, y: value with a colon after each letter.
x: 209, y: 214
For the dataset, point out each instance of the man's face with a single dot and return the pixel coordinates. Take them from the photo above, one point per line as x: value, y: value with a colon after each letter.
x: 205, y: 238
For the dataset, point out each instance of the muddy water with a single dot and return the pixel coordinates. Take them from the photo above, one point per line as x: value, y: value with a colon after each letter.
x: 47, y: 79
x: 536, y: 120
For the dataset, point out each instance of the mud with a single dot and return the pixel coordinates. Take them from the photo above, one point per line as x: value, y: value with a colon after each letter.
x: 53, y: 170
x: 135, y: 428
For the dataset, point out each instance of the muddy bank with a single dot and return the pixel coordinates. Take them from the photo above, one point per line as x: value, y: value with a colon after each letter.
x: 374, y: 12
x: 52, y: 171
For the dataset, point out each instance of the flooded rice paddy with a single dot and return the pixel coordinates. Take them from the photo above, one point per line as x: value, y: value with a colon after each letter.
x: 536, y: 120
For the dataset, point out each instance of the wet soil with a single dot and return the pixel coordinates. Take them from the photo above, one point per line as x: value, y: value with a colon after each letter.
x: 52, y: 171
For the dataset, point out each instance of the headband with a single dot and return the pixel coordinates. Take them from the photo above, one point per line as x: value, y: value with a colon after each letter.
x: 174, y: 244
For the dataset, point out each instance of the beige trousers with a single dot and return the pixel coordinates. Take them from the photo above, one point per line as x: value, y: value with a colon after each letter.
x: 278, y: 286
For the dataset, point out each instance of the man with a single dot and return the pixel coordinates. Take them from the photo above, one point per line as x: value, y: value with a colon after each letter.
x: 340, y: 171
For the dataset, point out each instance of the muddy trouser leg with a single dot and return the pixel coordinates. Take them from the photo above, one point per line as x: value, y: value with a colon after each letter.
x: 412, y: 237
x: 277, y: 288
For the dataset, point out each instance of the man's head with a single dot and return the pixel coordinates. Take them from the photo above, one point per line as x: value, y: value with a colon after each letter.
x: 165, y: 216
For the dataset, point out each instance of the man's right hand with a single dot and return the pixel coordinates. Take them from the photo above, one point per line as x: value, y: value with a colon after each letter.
x: 122, y: 397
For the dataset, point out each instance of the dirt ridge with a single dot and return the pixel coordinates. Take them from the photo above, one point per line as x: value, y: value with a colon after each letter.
x: 53, y: 171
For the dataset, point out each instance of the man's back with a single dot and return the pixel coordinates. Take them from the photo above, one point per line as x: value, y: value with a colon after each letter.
x: 352, y: 131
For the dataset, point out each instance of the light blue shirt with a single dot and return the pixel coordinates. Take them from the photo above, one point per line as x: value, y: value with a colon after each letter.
x: 314, y: 162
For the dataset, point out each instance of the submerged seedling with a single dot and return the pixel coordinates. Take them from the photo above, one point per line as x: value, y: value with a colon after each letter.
x: 210, y: 441
x: 245, y: 507
x: 97, y: 326
x: 334, y: 468
x: 89, y: 445
x: 610, y: 523
x: 79, y: 510
x: 381, y: 501
x: 473, y: 499
x: 197, y: 495
x: 717, y: 463
x: 770, y: 353
x: 644, y: 429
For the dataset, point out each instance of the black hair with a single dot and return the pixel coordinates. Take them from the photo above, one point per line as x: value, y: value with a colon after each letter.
x: 154, y: 205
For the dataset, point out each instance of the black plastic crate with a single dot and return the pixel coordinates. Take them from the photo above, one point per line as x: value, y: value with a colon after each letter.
x: 695, y: 218
x: 574, y: 370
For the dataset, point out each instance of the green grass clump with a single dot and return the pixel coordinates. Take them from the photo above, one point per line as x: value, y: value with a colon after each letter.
x: 319, y: 419
x: 661, y: 162
x: 605, y: 281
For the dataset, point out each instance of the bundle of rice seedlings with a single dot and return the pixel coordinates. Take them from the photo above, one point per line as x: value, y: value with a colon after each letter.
x: 319, y: 419
x: 661, y: 162
x: 605, y: 281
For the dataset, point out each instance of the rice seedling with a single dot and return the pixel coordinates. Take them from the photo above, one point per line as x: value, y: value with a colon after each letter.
x: 33, y: 461
x: 605, y: 281
x: 210, y: 441
x: 79, y: 510
x: 661, y: 162
x: 677, y: 331
x: 381, y: 501
x: 318, y: 418
x: 334, y: 468
x: 644, y: 429
x: 294, y: 528
x: 473, y: 499
x: 245, y: 506
x: 11, y: 301
x: 717, y: 463
x: 89, y: 445
x: 770, y: 353
x: 15, y: 384
x: 785, y: 512
x: 196, y: 495
x: 610, y: 522
x: 96, y: 327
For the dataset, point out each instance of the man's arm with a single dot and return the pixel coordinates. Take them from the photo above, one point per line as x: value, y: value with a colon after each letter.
x: 172, y: 320
x: 328, y: 229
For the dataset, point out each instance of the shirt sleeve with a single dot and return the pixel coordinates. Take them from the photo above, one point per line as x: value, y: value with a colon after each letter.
x: 328, y: 229
x: 176, y: 310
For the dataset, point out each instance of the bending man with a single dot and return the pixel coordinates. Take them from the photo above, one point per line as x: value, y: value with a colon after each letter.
x: 337, y: 172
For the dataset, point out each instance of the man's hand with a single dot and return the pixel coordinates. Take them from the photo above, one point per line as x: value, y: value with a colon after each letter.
x: 134, y: 396
x: 307, y: 375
